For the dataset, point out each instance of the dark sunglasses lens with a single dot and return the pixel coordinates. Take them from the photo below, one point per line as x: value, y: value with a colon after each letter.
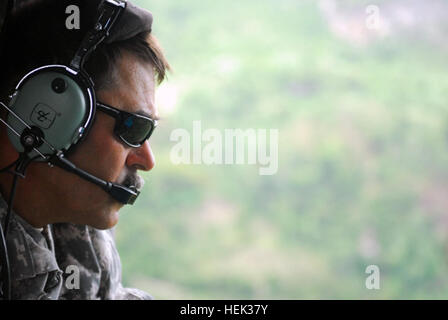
x: 136, y: 130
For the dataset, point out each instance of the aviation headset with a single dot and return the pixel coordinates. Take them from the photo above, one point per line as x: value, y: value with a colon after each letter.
x: 51, y: 111
x: 53, y: 107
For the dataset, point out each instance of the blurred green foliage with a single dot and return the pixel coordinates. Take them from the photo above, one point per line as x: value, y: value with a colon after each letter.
x: 363, y: 158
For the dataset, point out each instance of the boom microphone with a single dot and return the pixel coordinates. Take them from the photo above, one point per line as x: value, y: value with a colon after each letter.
x: 119, y: 192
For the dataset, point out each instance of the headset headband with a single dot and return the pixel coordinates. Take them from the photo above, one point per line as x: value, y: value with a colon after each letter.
x: 110, y: 10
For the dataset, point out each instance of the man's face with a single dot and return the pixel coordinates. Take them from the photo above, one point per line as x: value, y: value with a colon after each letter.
x: 103, y: 154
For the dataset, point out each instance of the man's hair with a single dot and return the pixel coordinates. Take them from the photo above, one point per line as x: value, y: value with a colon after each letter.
x: 36, y: 35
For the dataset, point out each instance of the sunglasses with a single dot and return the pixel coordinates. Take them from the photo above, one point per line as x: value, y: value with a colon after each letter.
x: 132, y: 129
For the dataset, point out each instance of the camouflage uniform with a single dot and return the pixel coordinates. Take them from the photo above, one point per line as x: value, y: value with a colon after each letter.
x: 42, y: 261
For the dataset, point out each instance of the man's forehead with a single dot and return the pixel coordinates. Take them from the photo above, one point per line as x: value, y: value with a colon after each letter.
x: 135, y: 87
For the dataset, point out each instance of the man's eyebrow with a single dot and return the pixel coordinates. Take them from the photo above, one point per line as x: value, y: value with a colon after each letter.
x: 146, y: 114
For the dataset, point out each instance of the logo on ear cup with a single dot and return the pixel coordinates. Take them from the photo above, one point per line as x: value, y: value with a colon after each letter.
x: 43, y: 116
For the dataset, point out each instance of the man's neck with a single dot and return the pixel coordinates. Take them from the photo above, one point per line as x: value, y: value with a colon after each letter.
x: 26, y: 203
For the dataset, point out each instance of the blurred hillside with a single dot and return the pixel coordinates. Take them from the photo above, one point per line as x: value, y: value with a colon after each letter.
x: 363, y: 154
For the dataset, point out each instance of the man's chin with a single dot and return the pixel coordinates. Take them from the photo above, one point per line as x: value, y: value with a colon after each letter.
x: 108, y: 220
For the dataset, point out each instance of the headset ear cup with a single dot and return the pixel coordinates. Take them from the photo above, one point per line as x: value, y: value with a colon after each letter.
x: 58, y: 102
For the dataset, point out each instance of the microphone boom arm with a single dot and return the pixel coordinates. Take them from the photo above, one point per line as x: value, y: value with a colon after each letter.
x: 118, y: 192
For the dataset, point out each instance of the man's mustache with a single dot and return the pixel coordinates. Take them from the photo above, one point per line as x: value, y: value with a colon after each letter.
x: 133, y: 181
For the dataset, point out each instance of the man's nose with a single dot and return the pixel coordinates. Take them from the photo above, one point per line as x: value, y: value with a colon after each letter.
x: 141, y: 158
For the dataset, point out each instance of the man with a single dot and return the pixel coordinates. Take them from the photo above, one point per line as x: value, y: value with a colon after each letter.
x: 62, y: 223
